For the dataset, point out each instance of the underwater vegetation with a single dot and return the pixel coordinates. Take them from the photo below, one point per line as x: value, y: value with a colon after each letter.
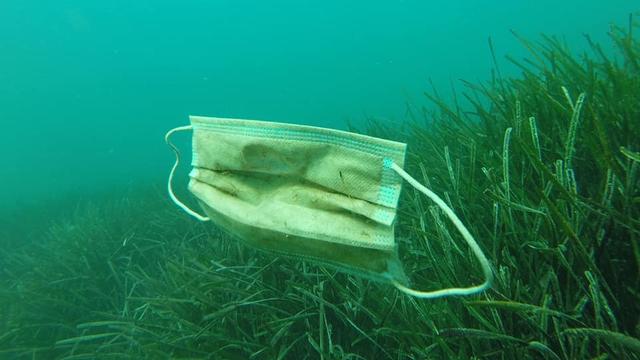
x: 543, y: 168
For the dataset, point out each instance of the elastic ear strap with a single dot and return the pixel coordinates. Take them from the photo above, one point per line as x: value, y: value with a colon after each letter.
x: 173, y: 170
x: 484, y: 263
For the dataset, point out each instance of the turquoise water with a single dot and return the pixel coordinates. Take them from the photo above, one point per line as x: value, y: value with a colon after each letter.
x: 88, y: 88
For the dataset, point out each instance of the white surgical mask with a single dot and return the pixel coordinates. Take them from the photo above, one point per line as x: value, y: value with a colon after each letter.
x: 319, y: 194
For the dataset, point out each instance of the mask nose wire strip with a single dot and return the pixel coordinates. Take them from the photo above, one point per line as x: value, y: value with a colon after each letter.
x: 173, y: 170
x: 484, y: 263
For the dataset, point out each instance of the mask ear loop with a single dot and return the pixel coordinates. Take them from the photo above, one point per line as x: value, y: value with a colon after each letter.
x: 173, y: 170
x: 484, y: 263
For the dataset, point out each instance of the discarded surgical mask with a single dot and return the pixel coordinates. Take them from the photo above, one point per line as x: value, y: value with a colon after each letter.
x: 312, y: 193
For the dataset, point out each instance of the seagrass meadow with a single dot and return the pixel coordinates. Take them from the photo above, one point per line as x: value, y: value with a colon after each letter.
x: 543, y: 167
